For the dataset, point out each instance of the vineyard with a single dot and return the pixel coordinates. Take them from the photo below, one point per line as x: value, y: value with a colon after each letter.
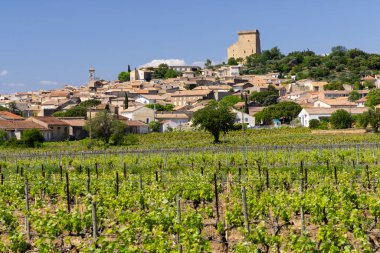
x: 200, y: 139
x: 263, y: 200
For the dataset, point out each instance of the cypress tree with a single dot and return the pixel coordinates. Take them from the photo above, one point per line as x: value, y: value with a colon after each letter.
x: 126, y: 100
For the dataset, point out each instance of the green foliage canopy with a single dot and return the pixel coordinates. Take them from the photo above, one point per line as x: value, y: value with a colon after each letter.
x: 373, y: 98
x: 232, y: 61
x: 159, y: 107
x: 370, y: 117
x: 284, y: 111
x: 154, y: 126
x: 231, y: 100
x: 341, y: 119
x: 163, y: 72
x: 353, y: 96
x: 104, y: 126
x: 32, y: 137
x: 124, y: 76
x: 340, y: 66
x: 214, y: 118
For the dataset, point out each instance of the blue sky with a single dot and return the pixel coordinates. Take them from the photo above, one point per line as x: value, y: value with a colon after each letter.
x: 45, y: 44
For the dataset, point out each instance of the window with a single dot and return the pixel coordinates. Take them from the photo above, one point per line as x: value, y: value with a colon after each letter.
x: 58, y: 128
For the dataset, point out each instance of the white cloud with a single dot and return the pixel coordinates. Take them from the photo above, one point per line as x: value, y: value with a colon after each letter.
x: 170, y: 62
x: 15, y: 84
x: 3, y: 72
x: 48, y: 83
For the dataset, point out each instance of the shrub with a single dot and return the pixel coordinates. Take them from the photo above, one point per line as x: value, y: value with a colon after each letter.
x: 341, y: 119
x: 131, y: 139
x: 154, y: 126
x: 32, y: 138
x: 314, y: 124
x: 3, y: 136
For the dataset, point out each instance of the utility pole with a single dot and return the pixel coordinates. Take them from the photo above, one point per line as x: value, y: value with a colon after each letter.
x: 90, y: 132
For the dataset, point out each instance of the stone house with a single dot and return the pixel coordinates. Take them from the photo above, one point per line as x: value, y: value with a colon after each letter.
x: 139, y: 113
x: 59, y: 129
x: 15, y: 128
x: 308, y: 114
x: 76, y: 127
x: 181, y: 98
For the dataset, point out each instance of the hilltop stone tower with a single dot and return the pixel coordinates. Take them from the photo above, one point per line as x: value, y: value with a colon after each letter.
x: 247, y: 44
x: 91, y: 73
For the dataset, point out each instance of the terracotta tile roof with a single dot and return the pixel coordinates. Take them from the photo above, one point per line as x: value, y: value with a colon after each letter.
x: 171, y: 116
x: 253, y: 110
x: 134, y: 123
x: 213, y: 87
x: 19, y: 124
x: 153, y: 97
x: 99, y: 107
x: 10, y: 116
x: 54, y: 102
x: 141, y: 92
x: 338, y: 101
x: 74, y: 121
x: 320, y: 110
x: 189, y: 93
x: 197, y: 108
x: 361, y: 100
x: 59, y: 94
x: 53, y: 121
x: 129, y: 122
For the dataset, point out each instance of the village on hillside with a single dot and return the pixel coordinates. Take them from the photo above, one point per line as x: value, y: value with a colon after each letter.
x: 172, y: 101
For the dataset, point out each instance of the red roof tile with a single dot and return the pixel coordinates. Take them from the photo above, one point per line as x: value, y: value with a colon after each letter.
x: 10, y: 116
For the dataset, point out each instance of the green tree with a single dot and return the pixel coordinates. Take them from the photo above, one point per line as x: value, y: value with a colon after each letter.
x: 373, y: 98
x: 160, y: 72
x: 341, y: 119
x: 126, y: 101
x: 285, y: 111
x: 90, y: 103
x: 32, y: 138
x: 333, y: 86
x: 265, y: 98
x: 163, y: 71
x: 170, y: 73
x: 129, y: 68
x: 231, y: 100
x: 214, y: 118
x: 208, y: 64
x: 3, y: 136
x: 370, y: 117
x: 124, y: 76
x: 104, y: 125
x: 314, y: 124
x: 77, y: 111
x: 159, y: 107
x: 353, y: 96
x: 232, y: 61
x: 154, y: 126
x: 340, y: 66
